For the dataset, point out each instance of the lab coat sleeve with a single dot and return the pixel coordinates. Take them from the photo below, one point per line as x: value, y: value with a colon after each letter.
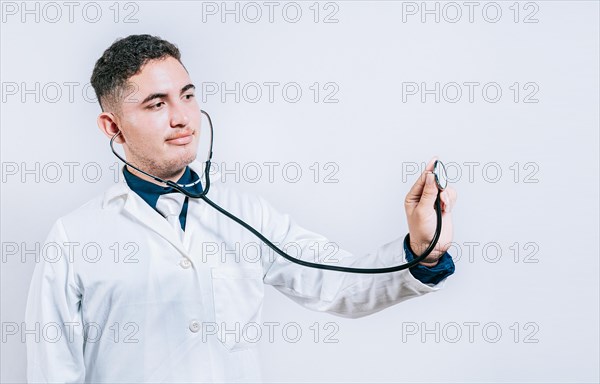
x: 55, y: 349
x: 344, y: 294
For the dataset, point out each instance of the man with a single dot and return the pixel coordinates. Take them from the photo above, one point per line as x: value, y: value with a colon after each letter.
x: 140, y: 298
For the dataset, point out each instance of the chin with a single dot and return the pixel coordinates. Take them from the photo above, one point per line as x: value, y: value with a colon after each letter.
x: 186, y: 158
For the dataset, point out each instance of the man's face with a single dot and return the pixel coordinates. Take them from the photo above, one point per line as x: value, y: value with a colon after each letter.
x: 160, y: 118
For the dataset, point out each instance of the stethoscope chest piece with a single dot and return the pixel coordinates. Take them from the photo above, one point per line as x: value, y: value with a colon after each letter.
x: 441, y: 178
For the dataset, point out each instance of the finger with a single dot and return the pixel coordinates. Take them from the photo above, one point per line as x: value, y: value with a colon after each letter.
x: 453, y: 195
x: 431, y: 163
x: 414, y: 195
x: 451, y: 198
x: 430, y: 192
x: 445, y: 201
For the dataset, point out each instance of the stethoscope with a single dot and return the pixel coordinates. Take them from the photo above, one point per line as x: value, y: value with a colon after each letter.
x: 439, y: 171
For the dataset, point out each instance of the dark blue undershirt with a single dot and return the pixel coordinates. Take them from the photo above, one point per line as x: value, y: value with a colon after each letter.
x: 150, y: 192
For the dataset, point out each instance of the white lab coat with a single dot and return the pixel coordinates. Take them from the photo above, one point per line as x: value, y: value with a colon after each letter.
x: 150, y: 303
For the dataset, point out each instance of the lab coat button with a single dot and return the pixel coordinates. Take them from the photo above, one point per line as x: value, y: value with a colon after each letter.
x: 185, y: 263
x: 195, y: 326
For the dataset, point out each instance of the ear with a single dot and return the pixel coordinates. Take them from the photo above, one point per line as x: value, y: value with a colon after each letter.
x: 109, y: 125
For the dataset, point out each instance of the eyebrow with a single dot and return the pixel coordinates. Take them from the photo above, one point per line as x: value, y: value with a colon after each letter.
x: 162, y: 95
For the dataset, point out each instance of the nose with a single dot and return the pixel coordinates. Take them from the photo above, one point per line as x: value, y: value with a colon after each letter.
x: 179, y: 116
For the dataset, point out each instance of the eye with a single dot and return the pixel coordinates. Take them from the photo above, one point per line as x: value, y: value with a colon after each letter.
x: 156, y: 106
x: 189, y: 96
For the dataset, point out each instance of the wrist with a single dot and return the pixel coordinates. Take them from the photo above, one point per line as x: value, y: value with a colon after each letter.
x: 417, y: 248
x: 429, y: 264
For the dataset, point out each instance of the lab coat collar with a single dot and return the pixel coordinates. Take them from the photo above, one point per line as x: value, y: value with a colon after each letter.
x: 121, y: 188
x: 151, y: 192
x: 122, y: 195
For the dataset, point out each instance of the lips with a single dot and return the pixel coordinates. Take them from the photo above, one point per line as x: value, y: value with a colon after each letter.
x: 181, y: 138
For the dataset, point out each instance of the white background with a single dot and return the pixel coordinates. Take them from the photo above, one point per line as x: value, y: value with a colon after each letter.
x: 549, y: 207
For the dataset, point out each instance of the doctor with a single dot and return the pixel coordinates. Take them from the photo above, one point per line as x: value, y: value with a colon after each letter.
x: 141, y: 283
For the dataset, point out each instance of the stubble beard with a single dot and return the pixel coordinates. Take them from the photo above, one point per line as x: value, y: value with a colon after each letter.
x: 165, y: 170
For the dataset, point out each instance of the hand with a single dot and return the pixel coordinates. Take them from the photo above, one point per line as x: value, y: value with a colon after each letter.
x: 422, y: 219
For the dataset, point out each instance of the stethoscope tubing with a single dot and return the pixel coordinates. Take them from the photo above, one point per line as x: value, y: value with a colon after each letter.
x: 206, y: 188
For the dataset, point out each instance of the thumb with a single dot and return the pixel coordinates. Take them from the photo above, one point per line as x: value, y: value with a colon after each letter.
x: 430, y: 192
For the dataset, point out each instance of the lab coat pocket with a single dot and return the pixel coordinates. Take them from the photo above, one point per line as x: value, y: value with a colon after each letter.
x: 237, y: 296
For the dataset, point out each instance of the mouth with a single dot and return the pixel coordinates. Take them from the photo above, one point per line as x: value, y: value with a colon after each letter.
x: 181, y: 139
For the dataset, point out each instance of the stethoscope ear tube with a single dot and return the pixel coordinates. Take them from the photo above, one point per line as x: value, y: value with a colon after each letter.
x: 440, y: 177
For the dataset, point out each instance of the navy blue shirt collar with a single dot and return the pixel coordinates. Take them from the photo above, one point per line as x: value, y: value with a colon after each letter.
x: 150, y: 192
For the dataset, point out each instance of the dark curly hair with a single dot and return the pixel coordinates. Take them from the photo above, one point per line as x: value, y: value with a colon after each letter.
x: 122, y: 60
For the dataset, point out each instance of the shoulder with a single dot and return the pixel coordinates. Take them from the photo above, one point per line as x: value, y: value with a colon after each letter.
x: 105, y: 203
x: 234, y: 197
